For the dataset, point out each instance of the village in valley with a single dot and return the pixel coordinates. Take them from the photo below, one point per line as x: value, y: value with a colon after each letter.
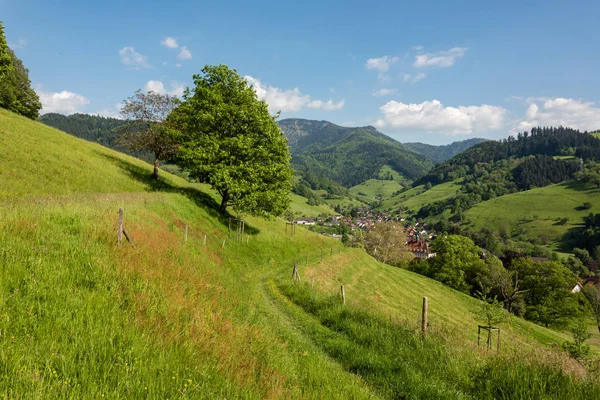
x: 345, y: 226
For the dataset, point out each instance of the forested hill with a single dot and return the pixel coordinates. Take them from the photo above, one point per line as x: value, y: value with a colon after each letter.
x: 444, y: 152
x: 323, y: 151
x: 562, y: 143
x: 94, y: 128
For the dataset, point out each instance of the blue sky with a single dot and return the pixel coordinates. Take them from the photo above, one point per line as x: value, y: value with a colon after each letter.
x: 433, y: 72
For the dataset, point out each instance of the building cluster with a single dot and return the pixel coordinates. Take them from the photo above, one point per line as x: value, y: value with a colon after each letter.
x: 417, y: 239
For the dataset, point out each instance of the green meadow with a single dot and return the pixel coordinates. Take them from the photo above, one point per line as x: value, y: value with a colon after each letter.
x: 538, y: 212
x: 206, y: 316
x: 415, y: 198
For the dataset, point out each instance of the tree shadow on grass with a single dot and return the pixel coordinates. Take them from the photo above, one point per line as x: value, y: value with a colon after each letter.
x: 200, y: 198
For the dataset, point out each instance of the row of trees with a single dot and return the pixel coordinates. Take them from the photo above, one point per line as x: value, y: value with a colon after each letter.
x: 221, y: 134
x: 16, y: 93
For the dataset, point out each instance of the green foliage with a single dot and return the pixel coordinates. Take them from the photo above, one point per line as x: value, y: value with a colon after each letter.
x: 16, y: 93
x: 5, y: 57
x: 457, y: 262
x: 578, y: 348
x: 490, y: 312
x: 229, y: 140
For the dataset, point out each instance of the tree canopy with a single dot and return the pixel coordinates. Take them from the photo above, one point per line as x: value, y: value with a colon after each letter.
x: 16, y: 93
x: 147, y: 128
x: 229, y: 140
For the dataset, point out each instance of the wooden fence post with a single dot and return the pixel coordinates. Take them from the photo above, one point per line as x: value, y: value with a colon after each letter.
x: 223, y: 243
x: 205, y: 239
x: 229, y: 228
x: 120, y: 229
x: 343, y: 295
x: 186, y: 232
x: 424, y: 317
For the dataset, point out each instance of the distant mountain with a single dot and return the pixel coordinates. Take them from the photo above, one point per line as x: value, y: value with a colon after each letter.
x: 348, y: 156
x: 445, y: 152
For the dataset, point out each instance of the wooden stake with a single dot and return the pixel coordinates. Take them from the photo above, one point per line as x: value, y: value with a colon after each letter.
x: 307, y: 260
x: 343, y: 295
x: 120, y: 229
x: 223, y: 244
x: 313, y: 282
x: 186, y: 232
x: 424, y: 317
x: 330, y: 252
x: 321, y: 255
x: 247, y: 239
x: 205, y: 239
x: 498, y: 339
x: 243, y: 228
x: 229, y: 228
x: 128, y: 238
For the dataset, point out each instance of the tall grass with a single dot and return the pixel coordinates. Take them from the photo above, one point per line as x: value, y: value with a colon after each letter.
x: 398, y: 362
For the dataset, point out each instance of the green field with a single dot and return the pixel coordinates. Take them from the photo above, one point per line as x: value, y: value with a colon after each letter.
x: 374, y: 189
x: 538, y: 211
x: 81, y: 317
x: 415, y: 198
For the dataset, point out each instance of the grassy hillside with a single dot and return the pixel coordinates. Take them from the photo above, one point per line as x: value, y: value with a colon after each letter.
x: 81, y: 317
x: 537, y: 212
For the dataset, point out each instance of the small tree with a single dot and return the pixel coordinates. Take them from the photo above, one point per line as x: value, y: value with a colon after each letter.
x: 148, y: 128
x: 578, y: 348
x: 229, y: 140
x: 386, y: 242
x: 490, y: 312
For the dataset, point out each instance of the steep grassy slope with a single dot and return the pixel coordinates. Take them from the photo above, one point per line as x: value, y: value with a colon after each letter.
x: 537, y: 212
x: 81, y: 317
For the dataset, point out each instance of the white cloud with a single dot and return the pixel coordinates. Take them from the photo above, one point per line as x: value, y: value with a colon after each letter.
x: 184, y: 54
x: 432, y: 116
x: 385, y: 92
x: 326, y: 105
x: 19, y: 44
x: 418, y: 48
x: 178, y: 65
x: 64, y: 102
x: 277, y: 99
x: 177, y: 89
x: 381, y: 64
x: 442, y: 59
x: 288, y: 100
x: 559, y: 111
x: 169, y: 42
x: 409, y: 78
x: 133, y: 59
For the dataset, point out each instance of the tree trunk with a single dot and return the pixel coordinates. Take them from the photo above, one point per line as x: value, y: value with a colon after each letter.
x: 224, y: 201
x: 155, y: 173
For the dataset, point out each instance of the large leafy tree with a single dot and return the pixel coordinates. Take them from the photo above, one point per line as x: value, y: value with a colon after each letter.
x: 5, y: 59
x: 16, y: 93
x: 457, y: 262
x: 147, y: 128
x: 229, y: 140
